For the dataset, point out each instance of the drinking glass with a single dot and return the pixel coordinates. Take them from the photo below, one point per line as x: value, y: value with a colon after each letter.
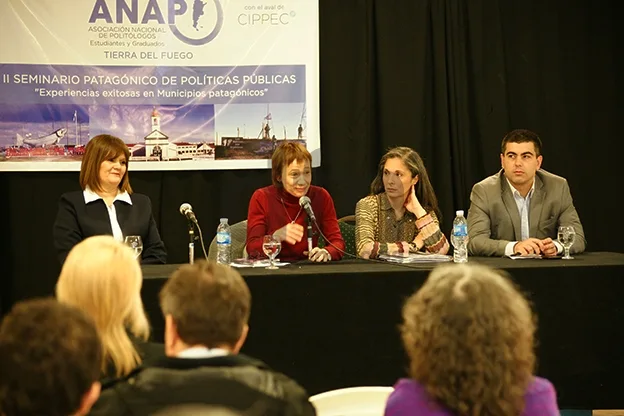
x: 271, y: 247
x: 566, y: 235
x: 135, y: 243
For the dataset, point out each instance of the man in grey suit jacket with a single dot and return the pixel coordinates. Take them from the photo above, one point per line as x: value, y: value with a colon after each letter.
x: 519, y: 209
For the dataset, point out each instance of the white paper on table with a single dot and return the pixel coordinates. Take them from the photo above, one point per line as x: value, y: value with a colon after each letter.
x: 524, y: 257
x: 416, y: 258
x: 242, y: 263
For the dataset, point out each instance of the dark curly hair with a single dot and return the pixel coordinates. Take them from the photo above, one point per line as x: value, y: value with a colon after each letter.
x: 50, y: 356
x: 469, y: 334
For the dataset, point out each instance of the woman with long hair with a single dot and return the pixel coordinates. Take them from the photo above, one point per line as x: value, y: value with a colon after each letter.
x: 401, y: 214
x: 469, y: 336
x: 102, y: 278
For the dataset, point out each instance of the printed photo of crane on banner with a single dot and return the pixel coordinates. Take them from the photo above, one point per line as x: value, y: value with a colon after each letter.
x: 187, y: 84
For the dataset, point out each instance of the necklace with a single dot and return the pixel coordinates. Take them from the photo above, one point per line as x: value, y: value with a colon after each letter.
x: 289, y: 217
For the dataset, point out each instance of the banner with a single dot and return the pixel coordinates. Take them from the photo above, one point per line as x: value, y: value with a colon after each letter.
x: 187, y: 84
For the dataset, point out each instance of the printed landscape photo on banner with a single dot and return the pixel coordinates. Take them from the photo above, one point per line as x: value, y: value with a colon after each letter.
x: 186, y: 84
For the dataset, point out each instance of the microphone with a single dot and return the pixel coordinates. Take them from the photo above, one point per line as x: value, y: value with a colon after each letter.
x: 187, y: 210
x: 304, y: 201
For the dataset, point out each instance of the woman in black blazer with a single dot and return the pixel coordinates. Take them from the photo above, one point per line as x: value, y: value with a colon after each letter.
x: 106, y: 204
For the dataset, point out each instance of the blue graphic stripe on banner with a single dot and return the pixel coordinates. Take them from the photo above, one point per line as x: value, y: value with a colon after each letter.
x: 78, y: 84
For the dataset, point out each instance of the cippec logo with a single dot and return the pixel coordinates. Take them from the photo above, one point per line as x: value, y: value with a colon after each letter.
x: 185, y: 22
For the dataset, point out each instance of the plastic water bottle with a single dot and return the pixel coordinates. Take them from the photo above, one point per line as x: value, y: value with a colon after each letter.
x: 459, y: 238
x: 224, y: 242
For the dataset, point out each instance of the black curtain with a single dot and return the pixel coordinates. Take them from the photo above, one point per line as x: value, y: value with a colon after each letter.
x: 446, y: 77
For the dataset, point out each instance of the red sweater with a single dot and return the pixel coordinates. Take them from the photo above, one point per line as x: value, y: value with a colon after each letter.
x: 267, y: 214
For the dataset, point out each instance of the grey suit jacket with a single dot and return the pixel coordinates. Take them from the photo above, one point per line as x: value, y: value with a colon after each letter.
x: 494, y: 221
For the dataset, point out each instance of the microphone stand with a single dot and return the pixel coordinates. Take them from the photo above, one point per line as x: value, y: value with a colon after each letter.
x: 309, y: 235
x: 191, y: 246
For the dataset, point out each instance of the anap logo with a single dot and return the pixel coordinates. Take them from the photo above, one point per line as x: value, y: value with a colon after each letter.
x: 191, y: 24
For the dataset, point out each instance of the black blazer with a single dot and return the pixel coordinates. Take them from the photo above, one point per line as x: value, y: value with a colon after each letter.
x: 76, y: 221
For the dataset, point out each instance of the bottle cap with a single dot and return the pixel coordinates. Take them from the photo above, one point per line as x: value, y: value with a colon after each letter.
x: 223, y: 219
x: 459, y: 212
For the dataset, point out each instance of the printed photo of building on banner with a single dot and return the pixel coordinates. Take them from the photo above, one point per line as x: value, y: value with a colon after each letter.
x: 187, y: 84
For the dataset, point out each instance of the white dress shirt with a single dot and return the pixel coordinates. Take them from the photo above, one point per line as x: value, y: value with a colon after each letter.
x: 90, y: 196
x: 524, y: 204
x: 202, y: 352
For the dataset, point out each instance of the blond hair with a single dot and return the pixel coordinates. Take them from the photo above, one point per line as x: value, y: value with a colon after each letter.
x: 102, y: 278
x: 469, y: 334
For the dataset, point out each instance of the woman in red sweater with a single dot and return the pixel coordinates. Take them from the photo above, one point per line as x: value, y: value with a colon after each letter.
x: 275, y: 210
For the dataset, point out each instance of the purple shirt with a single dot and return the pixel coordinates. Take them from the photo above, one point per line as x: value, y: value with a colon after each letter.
x: 409, y: 398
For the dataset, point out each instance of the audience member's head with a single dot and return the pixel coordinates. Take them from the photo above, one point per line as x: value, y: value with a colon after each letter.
x: 102, y: 278
x: 205, y: 304
x: 50, y: 357
x: 469, y: 335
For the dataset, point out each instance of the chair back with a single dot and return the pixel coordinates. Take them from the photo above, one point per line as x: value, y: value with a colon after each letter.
x: 239, y: 240
x: 347, y: 229
x: 352, y: 401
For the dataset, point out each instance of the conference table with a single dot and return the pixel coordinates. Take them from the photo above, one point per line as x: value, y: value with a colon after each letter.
x: 335, y: 325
